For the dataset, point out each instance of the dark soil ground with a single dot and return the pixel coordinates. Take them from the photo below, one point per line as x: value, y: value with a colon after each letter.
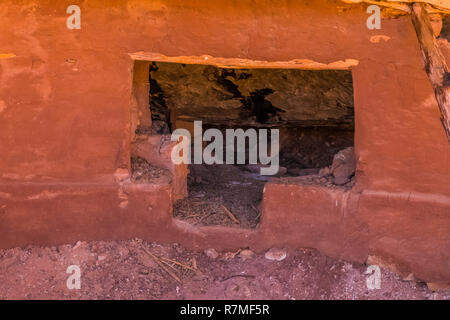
x: 126, y: 270
x: 224, y: 195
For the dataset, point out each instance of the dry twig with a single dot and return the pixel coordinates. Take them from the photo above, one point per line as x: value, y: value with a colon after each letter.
x: 232, y: 217
x: 158, y: 261
x: 184, y: 266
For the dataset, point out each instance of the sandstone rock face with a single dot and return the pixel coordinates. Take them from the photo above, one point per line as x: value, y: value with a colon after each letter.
x: 252, y: 97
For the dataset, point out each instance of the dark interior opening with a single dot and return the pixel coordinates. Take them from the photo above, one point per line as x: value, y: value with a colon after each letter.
x: 313, y: 110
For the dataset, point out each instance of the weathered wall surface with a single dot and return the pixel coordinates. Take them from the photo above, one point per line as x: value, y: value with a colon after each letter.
x: 65, y: 96
x: 65, y: 109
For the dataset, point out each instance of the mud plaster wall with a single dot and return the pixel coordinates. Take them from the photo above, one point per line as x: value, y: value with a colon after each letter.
x: 65, y: 95
x: 61, y: 81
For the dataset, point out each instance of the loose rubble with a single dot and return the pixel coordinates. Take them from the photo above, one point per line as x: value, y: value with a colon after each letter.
x: 129, y: 272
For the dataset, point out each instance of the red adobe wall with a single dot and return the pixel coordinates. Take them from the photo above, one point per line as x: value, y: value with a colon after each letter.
x: 65, y: 127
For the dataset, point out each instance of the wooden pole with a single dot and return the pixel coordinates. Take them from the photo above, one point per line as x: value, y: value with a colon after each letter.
x: 435, y: 64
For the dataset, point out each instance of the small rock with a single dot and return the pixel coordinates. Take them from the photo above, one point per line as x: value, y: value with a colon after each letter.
x: 246, y: 254
x: 275, y: 254
x: 101, y: 258
x: 211, y: 253
x: 344, y: 166
x: 339, y: 177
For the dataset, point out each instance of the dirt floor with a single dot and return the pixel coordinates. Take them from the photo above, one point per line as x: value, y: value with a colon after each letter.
x: 133, y: 270
x: 224, y: 195
x: 231, y: 195
x: 307, y: 148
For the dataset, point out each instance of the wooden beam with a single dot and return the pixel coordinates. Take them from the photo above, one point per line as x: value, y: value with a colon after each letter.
x: 238, y: 63
x: 436, y: 6
x: 435, y: 63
